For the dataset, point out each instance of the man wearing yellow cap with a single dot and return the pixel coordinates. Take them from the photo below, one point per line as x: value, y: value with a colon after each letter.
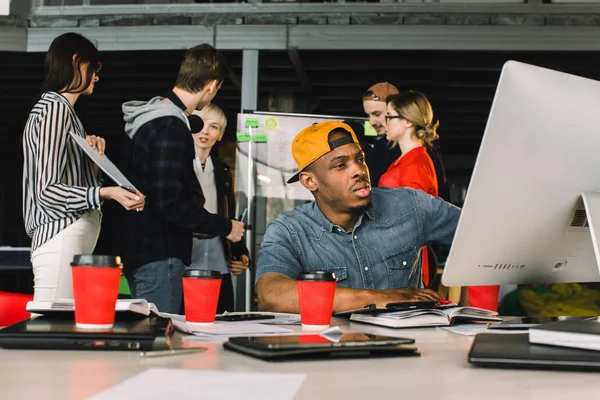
x: 368, y: 238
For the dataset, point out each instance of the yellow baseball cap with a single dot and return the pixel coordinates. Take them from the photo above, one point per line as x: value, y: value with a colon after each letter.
x: 313, y: 142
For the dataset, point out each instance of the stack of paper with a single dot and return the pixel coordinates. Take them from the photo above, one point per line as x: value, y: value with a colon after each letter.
x: 229, y: 329
x: 220, y: 332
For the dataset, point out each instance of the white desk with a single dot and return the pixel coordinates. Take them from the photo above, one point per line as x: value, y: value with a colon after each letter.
x: 442, y: 372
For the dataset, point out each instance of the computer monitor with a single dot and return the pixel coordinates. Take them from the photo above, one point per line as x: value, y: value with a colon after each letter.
x: 532, y: 209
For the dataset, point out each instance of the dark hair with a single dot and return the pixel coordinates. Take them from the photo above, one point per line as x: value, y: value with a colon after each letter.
x: 201, y: 64
x: 62, y: 69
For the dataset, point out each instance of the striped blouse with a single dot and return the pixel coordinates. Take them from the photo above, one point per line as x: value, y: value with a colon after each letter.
x: 59, y: 181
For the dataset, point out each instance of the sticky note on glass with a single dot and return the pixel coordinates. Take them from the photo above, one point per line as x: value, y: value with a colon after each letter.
x: 243, y: 136
x: 369, y: 130
x: 260, y: 138
x: 251, y: 122
x: 271, y: 123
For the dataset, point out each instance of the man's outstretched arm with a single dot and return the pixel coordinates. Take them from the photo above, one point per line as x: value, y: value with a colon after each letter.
x: 279, y: 293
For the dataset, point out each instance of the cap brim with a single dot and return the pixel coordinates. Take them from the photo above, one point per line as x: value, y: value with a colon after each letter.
x: 294, y: 178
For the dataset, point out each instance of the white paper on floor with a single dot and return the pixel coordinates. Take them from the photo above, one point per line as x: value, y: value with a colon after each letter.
x: 165, y: 383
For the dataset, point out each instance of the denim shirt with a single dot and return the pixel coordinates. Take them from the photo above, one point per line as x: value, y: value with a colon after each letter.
x: 382, y: 250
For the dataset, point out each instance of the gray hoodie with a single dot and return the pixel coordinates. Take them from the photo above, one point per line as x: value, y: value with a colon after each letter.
x: 137, y: 113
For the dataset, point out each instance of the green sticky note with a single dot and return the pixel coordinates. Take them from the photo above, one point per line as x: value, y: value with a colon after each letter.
x: 260, y: 138
x: 369, y: 130
x: 251, y: 122
x: 243, y: 136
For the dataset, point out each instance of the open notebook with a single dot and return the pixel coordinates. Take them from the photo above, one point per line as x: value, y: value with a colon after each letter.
x: 428, y: 317
x: 65, y: 308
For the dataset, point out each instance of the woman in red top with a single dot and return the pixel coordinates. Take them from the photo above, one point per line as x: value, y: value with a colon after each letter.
x: 410, y: 125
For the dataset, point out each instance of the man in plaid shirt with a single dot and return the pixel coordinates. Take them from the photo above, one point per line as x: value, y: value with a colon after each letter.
x: 158, y: 242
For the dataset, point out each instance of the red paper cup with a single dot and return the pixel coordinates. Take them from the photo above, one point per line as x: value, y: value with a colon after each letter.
x: 315, y: 295
x: 201, y: 295
x: 95, y: 290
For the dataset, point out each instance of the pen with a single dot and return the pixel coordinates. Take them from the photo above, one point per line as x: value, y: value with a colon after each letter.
x: 243, y: 215
x: 161, y: 353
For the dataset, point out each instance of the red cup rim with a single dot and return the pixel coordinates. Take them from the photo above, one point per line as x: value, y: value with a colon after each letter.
x: 318, y: 276
x: 94, y: 260
x: 201, y: 273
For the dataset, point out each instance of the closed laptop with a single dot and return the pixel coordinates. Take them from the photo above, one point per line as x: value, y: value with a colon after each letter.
x: 153, y: 333
x: 515, y: 351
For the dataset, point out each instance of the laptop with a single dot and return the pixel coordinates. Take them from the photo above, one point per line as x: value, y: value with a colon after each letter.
x: 152, y: 333
x: 514, y: 351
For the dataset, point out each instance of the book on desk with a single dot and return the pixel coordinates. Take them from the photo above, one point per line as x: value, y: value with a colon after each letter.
x: 427, y: 317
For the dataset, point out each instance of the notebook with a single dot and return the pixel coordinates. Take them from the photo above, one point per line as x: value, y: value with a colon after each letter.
x: 428, y: 317
x: 64, y: 309
x: 152, y: 333
x: 515, y: 351
x: 576, y: 334
x: 393, y: 307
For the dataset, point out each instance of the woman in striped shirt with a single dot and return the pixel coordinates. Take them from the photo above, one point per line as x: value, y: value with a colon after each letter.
x: 62, y: 191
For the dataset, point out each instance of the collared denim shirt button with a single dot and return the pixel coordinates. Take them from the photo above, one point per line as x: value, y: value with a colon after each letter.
x: 355, y: 237
x: 366, y: 268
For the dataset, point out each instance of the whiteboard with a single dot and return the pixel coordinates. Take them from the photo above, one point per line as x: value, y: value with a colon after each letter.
x: 271, y: 140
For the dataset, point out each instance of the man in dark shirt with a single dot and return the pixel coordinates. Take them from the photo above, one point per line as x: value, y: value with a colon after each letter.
x: 158, y: 242
x: 379, y: 154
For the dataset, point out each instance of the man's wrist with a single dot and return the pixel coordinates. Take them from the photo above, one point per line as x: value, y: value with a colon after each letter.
x: 368, y: 296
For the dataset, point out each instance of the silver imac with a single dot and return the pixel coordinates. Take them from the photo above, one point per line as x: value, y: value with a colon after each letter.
x: 532, y: 210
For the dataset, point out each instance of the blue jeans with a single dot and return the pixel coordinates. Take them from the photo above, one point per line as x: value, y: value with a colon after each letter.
x: 158, y: 282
